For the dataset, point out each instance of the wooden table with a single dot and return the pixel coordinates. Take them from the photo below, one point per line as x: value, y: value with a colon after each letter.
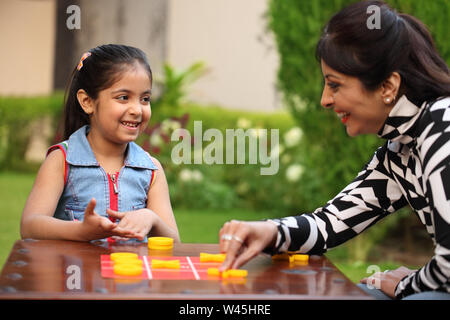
x: 41, y: 269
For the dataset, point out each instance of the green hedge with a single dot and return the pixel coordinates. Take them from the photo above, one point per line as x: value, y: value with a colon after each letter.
x: 16, y: 116
x: 232, y: 185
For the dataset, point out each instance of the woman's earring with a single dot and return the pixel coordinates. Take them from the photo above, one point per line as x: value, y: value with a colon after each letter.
x: 388, y: 100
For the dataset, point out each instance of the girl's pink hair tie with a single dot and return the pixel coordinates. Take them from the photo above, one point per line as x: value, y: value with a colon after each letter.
x: 84, y: 56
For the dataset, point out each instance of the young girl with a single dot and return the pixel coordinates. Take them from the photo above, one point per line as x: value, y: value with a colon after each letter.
x: 98, y: 176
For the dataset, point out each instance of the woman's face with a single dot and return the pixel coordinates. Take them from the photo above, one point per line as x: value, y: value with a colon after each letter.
x: 361, y: 111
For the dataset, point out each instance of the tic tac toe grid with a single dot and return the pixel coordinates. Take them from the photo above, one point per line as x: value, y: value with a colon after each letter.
x: 190, y: 269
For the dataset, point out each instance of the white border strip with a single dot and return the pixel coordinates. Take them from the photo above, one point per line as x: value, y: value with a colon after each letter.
x: 147, y: 267
x: 197, y: 277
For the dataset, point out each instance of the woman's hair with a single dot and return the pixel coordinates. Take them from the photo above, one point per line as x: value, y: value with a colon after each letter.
x: 100, y: 69
x: 401, y: 44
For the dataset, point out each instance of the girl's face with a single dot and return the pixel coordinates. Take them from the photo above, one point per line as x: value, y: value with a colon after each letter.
x: 361, y: 111
x: 122, y: 111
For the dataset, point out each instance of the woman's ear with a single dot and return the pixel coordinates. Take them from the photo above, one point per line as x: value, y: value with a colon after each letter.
x: 85, y: 101
x: 390, y: 88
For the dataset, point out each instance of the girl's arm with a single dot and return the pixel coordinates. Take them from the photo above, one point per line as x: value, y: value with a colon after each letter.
x: 159, y: 202
x: 37, y: 218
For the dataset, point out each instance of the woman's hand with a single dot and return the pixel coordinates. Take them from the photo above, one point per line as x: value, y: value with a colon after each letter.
x: 242, y: 241
x: 387, y: 281
x: 138, y: 223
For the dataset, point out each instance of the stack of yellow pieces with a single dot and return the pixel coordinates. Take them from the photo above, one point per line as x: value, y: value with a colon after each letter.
x: 160, y: 243
x: 126, y: 263
x: 230, y: 273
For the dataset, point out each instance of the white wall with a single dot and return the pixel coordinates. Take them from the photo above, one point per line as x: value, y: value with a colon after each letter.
x: 27, y: 47
x: 229, y: 36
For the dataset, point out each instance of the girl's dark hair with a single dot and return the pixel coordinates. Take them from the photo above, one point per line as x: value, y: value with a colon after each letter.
x: 100, y: 70
x: 401, y: 44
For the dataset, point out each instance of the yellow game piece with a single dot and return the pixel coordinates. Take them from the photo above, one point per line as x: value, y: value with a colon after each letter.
x: 121, y: 255
x: 213, y: 272
x: 230, y: 273
x: 127, y: 269
x: 209, y: 257
x: 237, y: 273
x: 301, y: 257
x: 160, y: 243
x: 165, y: 264
x: 128, y: 261
x: 281, y: 256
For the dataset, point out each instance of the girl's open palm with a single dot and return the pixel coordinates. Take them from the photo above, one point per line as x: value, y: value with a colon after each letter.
x: 95, y: 226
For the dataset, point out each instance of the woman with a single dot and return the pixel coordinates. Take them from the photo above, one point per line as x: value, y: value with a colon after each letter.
x: 391, y: 82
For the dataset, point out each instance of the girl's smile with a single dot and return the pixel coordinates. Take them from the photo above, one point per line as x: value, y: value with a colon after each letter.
x: 122, y: 111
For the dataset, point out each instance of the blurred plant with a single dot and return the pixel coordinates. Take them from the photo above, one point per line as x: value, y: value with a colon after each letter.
x: 175, y: 85
x: 16, y: 117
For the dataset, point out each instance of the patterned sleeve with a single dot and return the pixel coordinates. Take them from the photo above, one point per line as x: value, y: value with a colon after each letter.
x: 434, y: 153
x: 371, y: 196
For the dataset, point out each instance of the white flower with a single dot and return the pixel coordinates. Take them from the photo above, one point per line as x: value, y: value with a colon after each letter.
x: 299, y: 103
x: 243, y: 123
x: 156, y: 140
x: 276, y: 151
x: 294, y: 172
x: 196, y: 175
x: 293, y: 136
x: 169, y: 125
x: 185, y: 175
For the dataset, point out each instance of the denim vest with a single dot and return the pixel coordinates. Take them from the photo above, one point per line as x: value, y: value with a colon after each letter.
x: 86, y: 179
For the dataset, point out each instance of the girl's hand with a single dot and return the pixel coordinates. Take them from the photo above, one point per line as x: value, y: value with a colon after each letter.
x: 387, y: 281
x: 242, y: 241
x: 138, y: 222
x: 95, y: 226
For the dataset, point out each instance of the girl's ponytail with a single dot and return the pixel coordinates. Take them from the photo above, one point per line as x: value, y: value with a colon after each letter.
x: 74, y: 116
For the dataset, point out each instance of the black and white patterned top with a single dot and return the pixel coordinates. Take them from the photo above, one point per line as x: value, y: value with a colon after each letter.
x: 413, y: 167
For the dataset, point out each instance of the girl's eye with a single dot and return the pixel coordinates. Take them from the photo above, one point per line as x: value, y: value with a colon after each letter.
x: 146, y: 99
x: 123, y: 98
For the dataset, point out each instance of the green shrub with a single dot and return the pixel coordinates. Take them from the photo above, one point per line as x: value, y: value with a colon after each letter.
x: 228, y: 185
x: 16, y: 115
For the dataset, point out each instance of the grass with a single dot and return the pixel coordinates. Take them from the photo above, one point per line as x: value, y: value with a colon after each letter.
x: 14, y: 190
x: 194, y: 226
